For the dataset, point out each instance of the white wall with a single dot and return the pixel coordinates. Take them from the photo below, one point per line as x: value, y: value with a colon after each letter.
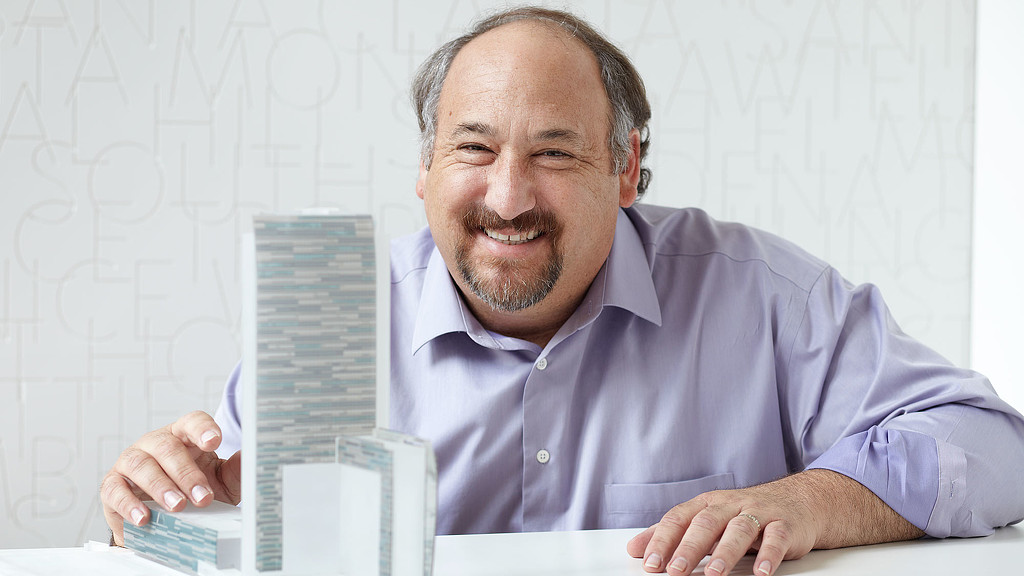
x: 997, y: 307
x: 135, y: 137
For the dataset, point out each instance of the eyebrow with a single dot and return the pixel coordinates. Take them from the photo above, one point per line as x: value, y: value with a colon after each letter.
x: 561, y: 134
x: 550, y: 134
x: 465, y: 128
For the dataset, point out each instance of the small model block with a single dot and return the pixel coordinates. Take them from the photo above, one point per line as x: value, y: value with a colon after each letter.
x: 370, y: 513
x: 189, y: 539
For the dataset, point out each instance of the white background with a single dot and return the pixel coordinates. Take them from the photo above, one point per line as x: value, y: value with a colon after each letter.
x: 997, y: 306
x: 136, y: 137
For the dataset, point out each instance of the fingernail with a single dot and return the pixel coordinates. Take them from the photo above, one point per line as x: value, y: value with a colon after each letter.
x: 679, y: 564
x: 653, y: 561
x: 137, y: 516
x: 716, y: 566
x: 172, y: 498
x: 765, y: 568
x: 199, y: 492
x: 208, y: 435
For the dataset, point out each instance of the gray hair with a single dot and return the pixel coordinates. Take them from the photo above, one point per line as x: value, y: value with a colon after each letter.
x: 626, y: 93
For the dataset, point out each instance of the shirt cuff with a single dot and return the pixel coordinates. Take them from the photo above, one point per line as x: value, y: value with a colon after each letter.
x: 952, y: 494
x: 878, y: 459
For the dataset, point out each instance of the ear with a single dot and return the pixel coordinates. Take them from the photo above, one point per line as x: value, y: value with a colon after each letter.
x: 629, y: 179
x: 421, y: 181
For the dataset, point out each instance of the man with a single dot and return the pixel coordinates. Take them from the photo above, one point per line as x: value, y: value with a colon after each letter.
x: 581, y: 362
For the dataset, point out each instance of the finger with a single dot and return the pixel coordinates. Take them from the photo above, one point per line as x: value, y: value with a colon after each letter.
x: 669, y: 534
x: 227, y: 476
x: 637, y: 544
x: 666, y: 534
x: 120, y: 502
x: 197, y: 429
x: 777, y: 544
x: 163, y: 468
x: 704, y: 531
x: 740, y: 533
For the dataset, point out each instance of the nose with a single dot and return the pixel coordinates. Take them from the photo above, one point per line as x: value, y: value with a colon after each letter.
x: 509, y: 189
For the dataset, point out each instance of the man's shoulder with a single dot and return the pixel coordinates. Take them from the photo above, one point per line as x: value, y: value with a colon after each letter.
x: 691, y: 233
x: 410, y: 253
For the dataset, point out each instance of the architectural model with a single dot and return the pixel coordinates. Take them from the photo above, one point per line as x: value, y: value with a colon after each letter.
x: 324, y: 490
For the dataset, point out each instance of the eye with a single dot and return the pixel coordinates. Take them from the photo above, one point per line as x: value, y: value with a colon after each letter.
x: 554, y: 159
x: 475, y: 154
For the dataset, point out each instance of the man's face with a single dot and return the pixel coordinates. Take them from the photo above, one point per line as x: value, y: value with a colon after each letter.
x: 521, y: 197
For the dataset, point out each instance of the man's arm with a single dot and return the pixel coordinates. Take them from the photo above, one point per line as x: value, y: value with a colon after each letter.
x: 783, y: 520
x: 864, y: 399
x: 898, y: 441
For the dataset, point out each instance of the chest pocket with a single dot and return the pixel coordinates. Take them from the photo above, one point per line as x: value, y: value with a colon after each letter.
x: 641, y: 505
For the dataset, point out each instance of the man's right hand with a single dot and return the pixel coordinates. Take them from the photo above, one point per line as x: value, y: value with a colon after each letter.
x: 169, y: 465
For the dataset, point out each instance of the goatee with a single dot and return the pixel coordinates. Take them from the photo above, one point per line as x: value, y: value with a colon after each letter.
x: 505, y: 284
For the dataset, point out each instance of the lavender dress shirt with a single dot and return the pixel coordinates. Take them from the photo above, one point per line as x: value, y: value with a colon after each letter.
x: 705, y: 355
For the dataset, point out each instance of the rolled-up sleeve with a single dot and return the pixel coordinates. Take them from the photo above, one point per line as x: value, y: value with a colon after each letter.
x: 933, y: 441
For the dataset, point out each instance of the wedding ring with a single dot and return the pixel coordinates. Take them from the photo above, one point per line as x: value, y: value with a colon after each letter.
x: 751, y: 516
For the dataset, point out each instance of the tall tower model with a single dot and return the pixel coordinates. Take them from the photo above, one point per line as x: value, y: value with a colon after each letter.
x: 310, y: 359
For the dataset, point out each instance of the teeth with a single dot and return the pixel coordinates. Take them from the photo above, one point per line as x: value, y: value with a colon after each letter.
x: 512, y: 239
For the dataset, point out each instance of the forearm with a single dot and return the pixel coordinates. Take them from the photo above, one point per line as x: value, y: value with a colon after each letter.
x: 848, y: 513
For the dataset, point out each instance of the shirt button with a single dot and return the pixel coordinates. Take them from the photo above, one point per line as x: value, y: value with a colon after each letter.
x: 543, y: 456
x: 542, y: 363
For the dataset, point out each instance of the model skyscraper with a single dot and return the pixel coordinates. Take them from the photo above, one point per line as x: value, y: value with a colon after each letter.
x: 310, y: 358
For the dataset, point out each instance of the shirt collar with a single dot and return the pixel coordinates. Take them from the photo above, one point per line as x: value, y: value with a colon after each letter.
x: 441, y: 309
x: 624, y: 281
x: 627, y: 274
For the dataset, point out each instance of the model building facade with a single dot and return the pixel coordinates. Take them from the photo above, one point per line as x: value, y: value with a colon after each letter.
x: 310, y: 356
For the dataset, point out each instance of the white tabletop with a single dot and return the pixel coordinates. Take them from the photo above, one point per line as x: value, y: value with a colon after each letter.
x: 594, y: 553
x: 603, y: 553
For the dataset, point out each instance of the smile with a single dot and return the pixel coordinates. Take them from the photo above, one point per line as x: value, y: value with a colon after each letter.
x: 513, y: 239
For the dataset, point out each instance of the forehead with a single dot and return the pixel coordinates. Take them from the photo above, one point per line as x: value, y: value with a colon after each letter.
x: 525, y: 68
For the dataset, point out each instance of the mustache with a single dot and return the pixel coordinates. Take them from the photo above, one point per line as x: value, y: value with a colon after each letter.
x: 542, y: 221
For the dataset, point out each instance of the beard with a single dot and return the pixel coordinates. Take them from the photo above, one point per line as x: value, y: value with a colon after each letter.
x: 509, y: 284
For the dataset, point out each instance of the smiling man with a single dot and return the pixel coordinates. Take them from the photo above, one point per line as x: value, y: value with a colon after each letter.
x: 579, y: 361
x: 521, y: 150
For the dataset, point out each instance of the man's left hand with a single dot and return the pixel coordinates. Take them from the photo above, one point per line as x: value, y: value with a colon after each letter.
x: 781, y: 520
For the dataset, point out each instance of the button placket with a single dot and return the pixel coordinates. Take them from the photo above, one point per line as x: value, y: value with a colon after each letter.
x: 547, y: 396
